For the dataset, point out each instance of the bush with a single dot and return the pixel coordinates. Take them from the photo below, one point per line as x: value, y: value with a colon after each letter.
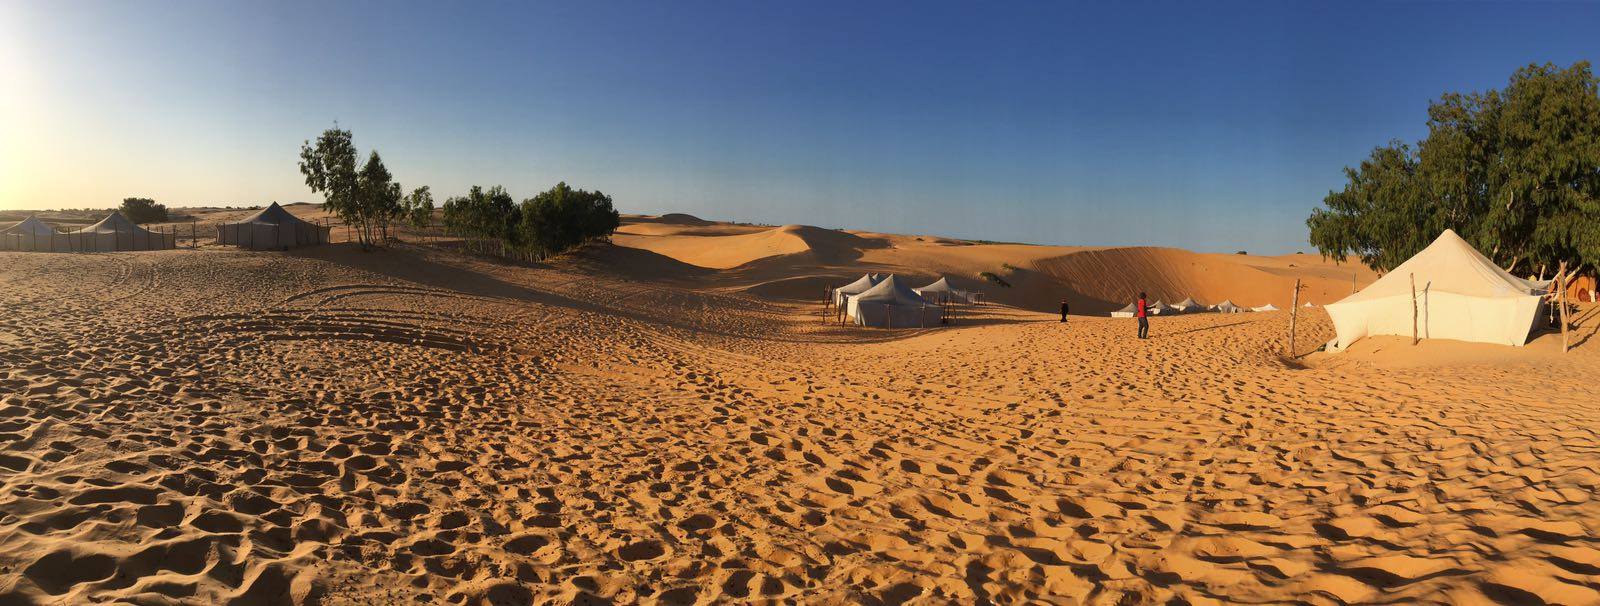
x: 990, y: 276
x: 563, y: 218
x: 143, y: 210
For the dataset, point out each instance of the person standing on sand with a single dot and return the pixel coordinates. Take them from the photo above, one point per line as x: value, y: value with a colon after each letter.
x: 1144, y: 322
x: 1063, y: 310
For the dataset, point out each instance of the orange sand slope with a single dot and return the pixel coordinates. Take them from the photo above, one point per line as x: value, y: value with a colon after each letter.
x: 799, y: 262
x: 409, y: 426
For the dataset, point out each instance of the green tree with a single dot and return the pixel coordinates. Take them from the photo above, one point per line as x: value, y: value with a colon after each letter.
x: 380, y: 197
x: 1515, y: 171
x: 419, y: 207
x: 563, y: 218
x: 143, y: 210
x: 366, y: 198
x: 484, y: 219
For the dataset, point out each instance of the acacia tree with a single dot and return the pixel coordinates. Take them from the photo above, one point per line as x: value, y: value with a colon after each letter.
x: 367, y: 198
x: 1516, y: 172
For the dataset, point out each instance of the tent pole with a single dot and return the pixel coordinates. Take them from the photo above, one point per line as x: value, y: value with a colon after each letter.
x: 1414, y: 339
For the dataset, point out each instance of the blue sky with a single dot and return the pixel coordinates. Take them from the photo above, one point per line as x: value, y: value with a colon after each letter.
x: 1210, y: 126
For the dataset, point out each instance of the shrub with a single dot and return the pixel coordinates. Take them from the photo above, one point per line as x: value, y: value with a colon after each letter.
x: 990, y: 276
x: 143, y: 210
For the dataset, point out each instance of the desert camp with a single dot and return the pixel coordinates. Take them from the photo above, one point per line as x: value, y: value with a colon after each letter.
x: 516, y: 304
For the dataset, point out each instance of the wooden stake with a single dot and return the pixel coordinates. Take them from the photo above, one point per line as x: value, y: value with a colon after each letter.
x: 1414, y: 339
x: 1561, y: 299
x: 1294, y: 310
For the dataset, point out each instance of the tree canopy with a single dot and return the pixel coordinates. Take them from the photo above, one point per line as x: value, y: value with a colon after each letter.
x: 143, y: 210
x: 1515, y: 171
x: 553, y: 222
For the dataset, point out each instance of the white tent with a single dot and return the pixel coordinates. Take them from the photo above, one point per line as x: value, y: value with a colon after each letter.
x: 1187, y: 306
x: 272, y: 228
x: 892, y: 305
x: 1159, y: 308
x: 1267, y: 307
x: 116, y: 232
x: 941, y: 291
x: 1308, y: 304
x: 31, y: 234
x: 1126, y: 312
x: 1227, y: 307
x: 1460, y: 294
x: 861, y: 285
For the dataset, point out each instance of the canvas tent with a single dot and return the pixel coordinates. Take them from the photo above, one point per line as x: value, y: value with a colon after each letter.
x: 1460, y: 294
x: 891, y: 304
x: 272, y: 228
x: 941, y: 291
x: 1227, y: 307
x: 1159, y: 308
x: 842, y: 294
x: 114, y: 233
x: 1267, y: 307
x: 1126, y: 312
x: 1187, y: 306
x: 31, y: 234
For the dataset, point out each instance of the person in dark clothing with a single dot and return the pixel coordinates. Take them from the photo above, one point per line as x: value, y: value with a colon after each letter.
x: 1142, y: 313
x: 1063, y: 310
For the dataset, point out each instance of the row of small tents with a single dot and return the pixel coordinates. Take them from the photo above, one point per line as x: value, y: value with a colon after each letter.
x: 1189, y: 306
x: 272, y: 228
x: 886, y: 301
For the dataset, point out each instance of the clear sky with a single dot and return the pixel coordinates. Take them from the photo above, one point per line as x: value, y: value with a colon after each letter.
x: 1202, y: 125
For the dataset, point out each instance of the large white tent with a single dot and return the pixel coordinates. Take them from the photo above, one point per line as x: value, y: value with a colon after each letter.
x: 272, y: 228
x: 1227, y: 307
x: 941, y: 291
x: 1267, y: 307
x: 891, y: 304
x: 1460, y: 294
x: 31, y: 234
x: 116, y: 232
x: 1126, y: 312
x: 1187, y: 306
x: 842, y: 294
x: 1159, y: 308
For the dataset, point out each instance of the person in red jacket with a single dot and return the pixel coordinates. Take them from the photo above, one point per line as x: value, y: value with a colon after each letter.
x: 1142, y: 312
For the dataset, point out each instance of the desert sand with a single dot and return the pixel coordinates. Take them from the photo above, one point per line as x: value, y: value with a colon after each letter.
x: 669, y: 420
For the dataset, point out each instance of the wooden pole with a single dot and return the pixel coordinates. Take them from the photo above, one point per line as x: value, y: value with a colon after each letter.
x: 1294, y: 311
x: 1561, y: 299
x: 1414, y: 339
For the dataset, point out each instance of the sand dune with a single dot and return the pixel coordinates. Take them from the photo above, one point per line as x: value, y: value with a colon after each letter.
x: 624, y: 426
x: 787, y: 261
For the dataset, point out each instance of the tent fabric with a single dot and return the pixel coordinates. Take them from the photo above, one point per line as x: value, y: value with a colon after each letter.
x: 893, y: 305
x: 941, y: 290
x: 31, y: 235
x: 861, y: 285
x: 272, y: 228
x: 1126, y: 312
x: 1187, y: 306
x: 1267, y: 307
x: 116, y: 233
x: 1227, y: 307
x: 1159, y: 308
x: 1460, y: 294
